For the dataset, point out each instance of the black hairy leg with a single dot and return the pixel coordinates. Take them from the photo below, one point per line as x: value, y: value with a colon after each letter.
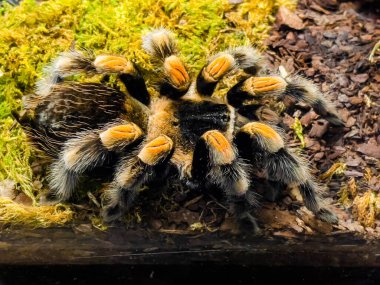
x: 175, y: 80
x: 294, y: 86
x: 90, y: 149
x: 216, y: 162
x: 132, y: 172
x: 264, y: 147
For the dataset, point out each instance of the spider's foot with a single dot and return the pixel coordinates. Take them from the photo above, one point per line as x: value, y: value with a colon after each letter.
x: 192, y: 184
x: 156, y: 150
x: 112, y: 213
x: 112, y: 63
x: 247, y: 220
x: 49, y: 199
x: 120, y: 135
x: 327, y: 216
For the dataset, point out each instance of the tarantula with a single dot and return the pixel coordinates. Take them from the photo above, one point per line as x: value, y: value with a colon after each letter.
x: 207, y: 140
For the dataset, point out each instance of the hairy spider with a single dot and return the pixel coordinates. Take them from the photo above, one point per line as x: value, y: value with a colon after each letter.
x: 207, y: 140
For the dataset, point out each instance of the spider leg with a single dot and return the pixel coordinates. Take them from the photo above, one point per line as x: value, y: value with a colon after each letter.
x: 161, y: 45
x: 75, y: 62
x: 215, y: 161
x: 65, y: 65
x: 217, y: 67
x: 131, y: 173
x: 305, y: 90
x: 88, y: 150
x: 265, y: 148
x: 255, y: 87
x: 258, y: 112
x: 128, y: 73
x: 221, y: 64
x: 297, y: 87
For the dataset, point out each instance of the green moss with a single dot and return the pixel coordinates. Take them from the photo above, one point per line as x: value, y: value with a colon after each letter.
x: 34, y: 33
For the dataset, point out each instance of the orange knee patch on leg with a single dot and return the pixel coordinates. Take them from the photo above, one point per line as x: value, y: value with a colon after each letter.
x: 219, y: 67
x: 125, y: 134
x: 111, y: 63
x: 256, y: 85
x: 220, y: 148
x: 266, y: 134
x: 176, y: 70
x: 156, y: 150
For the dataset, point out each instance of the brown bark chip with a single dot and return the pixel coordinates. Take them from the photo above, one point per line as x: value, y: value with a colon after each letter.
x: 288, y: 18
x: 329, y: 41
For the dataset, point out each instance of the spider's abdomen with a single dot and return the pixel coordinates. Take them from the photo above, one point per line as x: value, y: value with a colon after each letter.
x: 75, y: 107
x: 196, y: 118
x: 72, y: 106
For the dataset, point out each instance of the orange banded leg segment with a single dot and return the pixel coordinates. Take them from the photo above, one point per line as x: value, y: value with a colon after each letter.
x: 260, y: 85
x: 213, y: 72
x: 128, y: 74
x: 263, y: 136
x: 215, y: 162
x: 112, y: 63
x: 120, y: 136
x: 176, y: 72
x: 88, y: 150
x: 156, y: 150
x: 161, y: 45
x: 221, y: 150
x: 218, y: 67
x: 247, y: 89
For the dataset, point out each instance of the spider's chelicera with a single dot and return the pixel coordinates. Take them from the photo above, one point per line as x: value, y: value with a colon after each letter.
x: 207, y: 140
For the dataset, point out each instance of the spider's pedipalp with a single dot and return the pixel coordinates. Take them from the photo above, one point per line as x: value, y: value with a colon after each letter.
x: 161, y: 45
x: 304, y: 90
